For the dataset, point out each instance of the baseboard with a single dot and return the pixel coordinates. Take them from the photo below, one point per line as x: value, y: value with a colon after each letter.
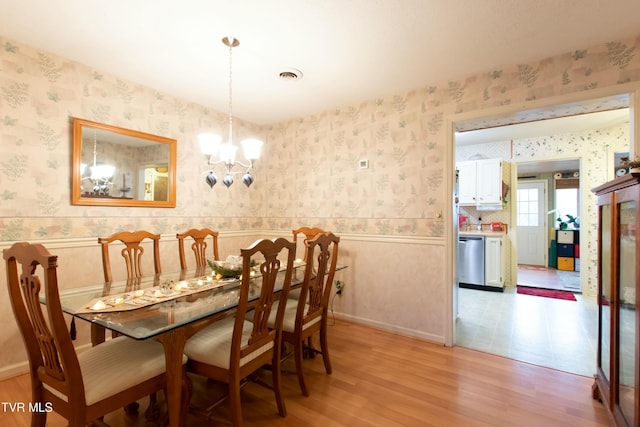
x: 22, y: 368
x: 14, y: 370
x: 437, y: 339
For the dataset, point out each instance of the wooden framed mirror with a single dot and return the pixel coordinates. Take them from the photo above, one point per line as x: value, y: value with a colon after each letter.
x: 113, y: 166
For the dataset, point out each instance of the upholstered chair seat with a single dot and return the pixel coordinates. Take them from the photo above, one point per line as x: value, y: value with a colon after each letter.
x: 116, y: 365
x: 289, y: 320
x: 212, y: 345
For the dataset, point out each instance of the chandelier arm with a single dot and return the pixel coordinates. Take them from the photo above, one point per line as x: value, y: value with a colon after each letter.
x: 244, y: 165
x: 230, y: 166
x: 215, y: 162
x: 218, y: 162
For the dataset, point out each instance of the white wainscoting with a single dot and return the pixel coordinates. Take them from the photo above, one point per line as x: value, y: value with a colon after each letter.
x: 393, y: 283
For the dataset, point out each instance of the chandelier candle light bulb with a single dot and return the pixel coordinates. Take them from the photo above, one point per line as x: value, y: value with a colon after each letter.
x: 211, y: 145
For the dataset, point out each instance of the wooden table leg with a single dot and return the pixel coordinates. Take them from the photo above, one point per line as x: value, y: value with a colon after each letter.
x: 173, y: 342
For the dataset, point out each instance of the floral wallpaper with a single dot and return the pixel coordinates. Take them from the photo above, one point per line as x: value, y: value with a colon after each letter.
x: 310, y: 171
x: 40, y: 93
x: 403, y: 139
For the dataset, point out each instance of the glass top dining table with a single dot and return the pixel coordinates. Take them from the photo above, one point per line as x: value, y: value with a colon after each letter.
x: 169, y: 307
x: 146, y: 307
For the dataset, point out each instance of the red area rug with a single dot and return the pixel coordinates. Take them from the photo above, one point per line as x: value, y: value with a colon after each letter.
x: 547, y: 293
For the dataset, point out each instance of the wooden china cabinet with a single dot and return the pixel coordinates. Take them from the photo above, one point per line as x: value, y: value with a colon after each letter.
x: 617, y: 378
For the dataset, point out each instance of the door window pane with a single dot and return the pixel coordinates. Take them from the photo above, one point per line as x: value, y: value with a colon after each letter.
x: 567, y: 204
x: 528, y: 207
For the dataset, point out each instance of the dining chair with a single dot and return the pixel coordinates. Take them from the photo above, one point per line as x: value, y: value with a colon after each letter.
x: 232, y: 349
x: 199, y: 246
x: 308, y: 314
x: 308, y: 233
x: 132, y: 252
x: 84, y: 386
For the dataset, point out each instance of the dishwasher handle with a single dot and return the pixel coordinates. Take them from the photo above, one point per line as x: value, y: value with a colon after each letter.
x: 464, y: 239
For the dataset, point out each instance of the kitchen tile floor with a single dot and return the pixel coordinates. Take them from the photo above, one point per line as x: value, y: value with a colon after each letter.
x: 543, y: 331
x: 548, y: 278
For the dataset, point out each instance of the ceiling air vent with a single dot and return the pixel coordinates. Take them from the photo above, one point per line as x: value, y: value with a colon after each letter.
x: 291, y: 74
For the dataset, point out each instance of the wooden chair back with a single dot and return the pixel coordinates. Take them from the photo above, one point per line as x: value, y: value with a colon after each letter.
x: 272, y: 253
x: 322, y: 250
x: 52, y: 357
x: 199, y: 246
x: 309, y: 233
x: 132, y: 252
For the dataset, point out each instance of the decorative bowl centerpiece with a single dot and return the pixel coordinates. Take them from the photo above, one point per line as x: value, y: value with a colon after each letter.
x: 231, y: 268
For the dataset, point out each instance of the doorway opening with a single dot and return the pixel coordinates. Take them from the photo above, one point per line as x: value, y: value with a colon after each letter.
x: 547, y: 200
x: 517, y: 326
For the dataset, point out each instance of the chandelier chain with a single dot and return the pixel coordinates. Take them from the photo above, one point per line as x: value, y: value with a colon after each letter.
x: 230, y: 91
x: 211, y: 144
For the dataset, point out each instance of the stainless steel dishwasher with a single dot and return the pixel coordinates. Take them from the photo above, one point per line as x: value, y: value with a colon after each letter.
x: 471, y: 260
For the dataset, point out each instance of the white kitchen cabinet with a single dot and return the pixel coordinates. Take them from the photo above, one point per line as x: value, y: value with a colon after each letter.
x: 494, y: 259
x: 467, y: 182
x: 489, y: 182
x: 480, y: 183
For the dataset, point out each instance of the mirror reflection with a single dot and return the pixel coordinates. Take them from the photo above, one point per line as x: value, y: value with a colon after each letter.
x: 122, y: 167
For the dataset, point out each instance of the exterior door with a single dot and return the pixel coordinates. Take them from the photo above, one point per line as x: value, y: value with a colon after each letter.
x: 531, y: 202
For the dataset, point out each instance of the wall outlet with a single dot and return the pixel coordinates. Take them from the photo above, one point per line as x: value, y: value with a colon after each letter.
x: 339, y: 287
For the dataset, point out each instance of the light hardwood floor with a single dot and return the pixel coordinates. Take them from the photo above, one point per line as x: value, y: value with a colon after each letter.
x: 384, y: 379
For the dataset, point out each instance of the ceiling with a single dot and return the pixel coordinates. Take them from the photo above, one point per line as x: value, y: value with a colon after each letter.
x: 347, y: 50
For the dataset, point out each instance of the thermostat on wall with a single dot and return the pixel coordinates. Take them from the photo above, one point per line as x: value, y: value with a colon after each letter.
x: 364, y: 164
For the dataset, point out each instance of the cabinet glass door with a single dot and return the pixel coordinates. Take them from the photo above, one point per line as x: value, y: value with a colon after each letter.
x: 627, y: 310
x: 605, y: 292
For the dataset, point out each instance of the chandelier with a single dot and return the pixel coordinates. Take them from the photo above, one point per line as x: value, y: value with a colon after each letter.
x: 212, y: 145
x: 99, y: 175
